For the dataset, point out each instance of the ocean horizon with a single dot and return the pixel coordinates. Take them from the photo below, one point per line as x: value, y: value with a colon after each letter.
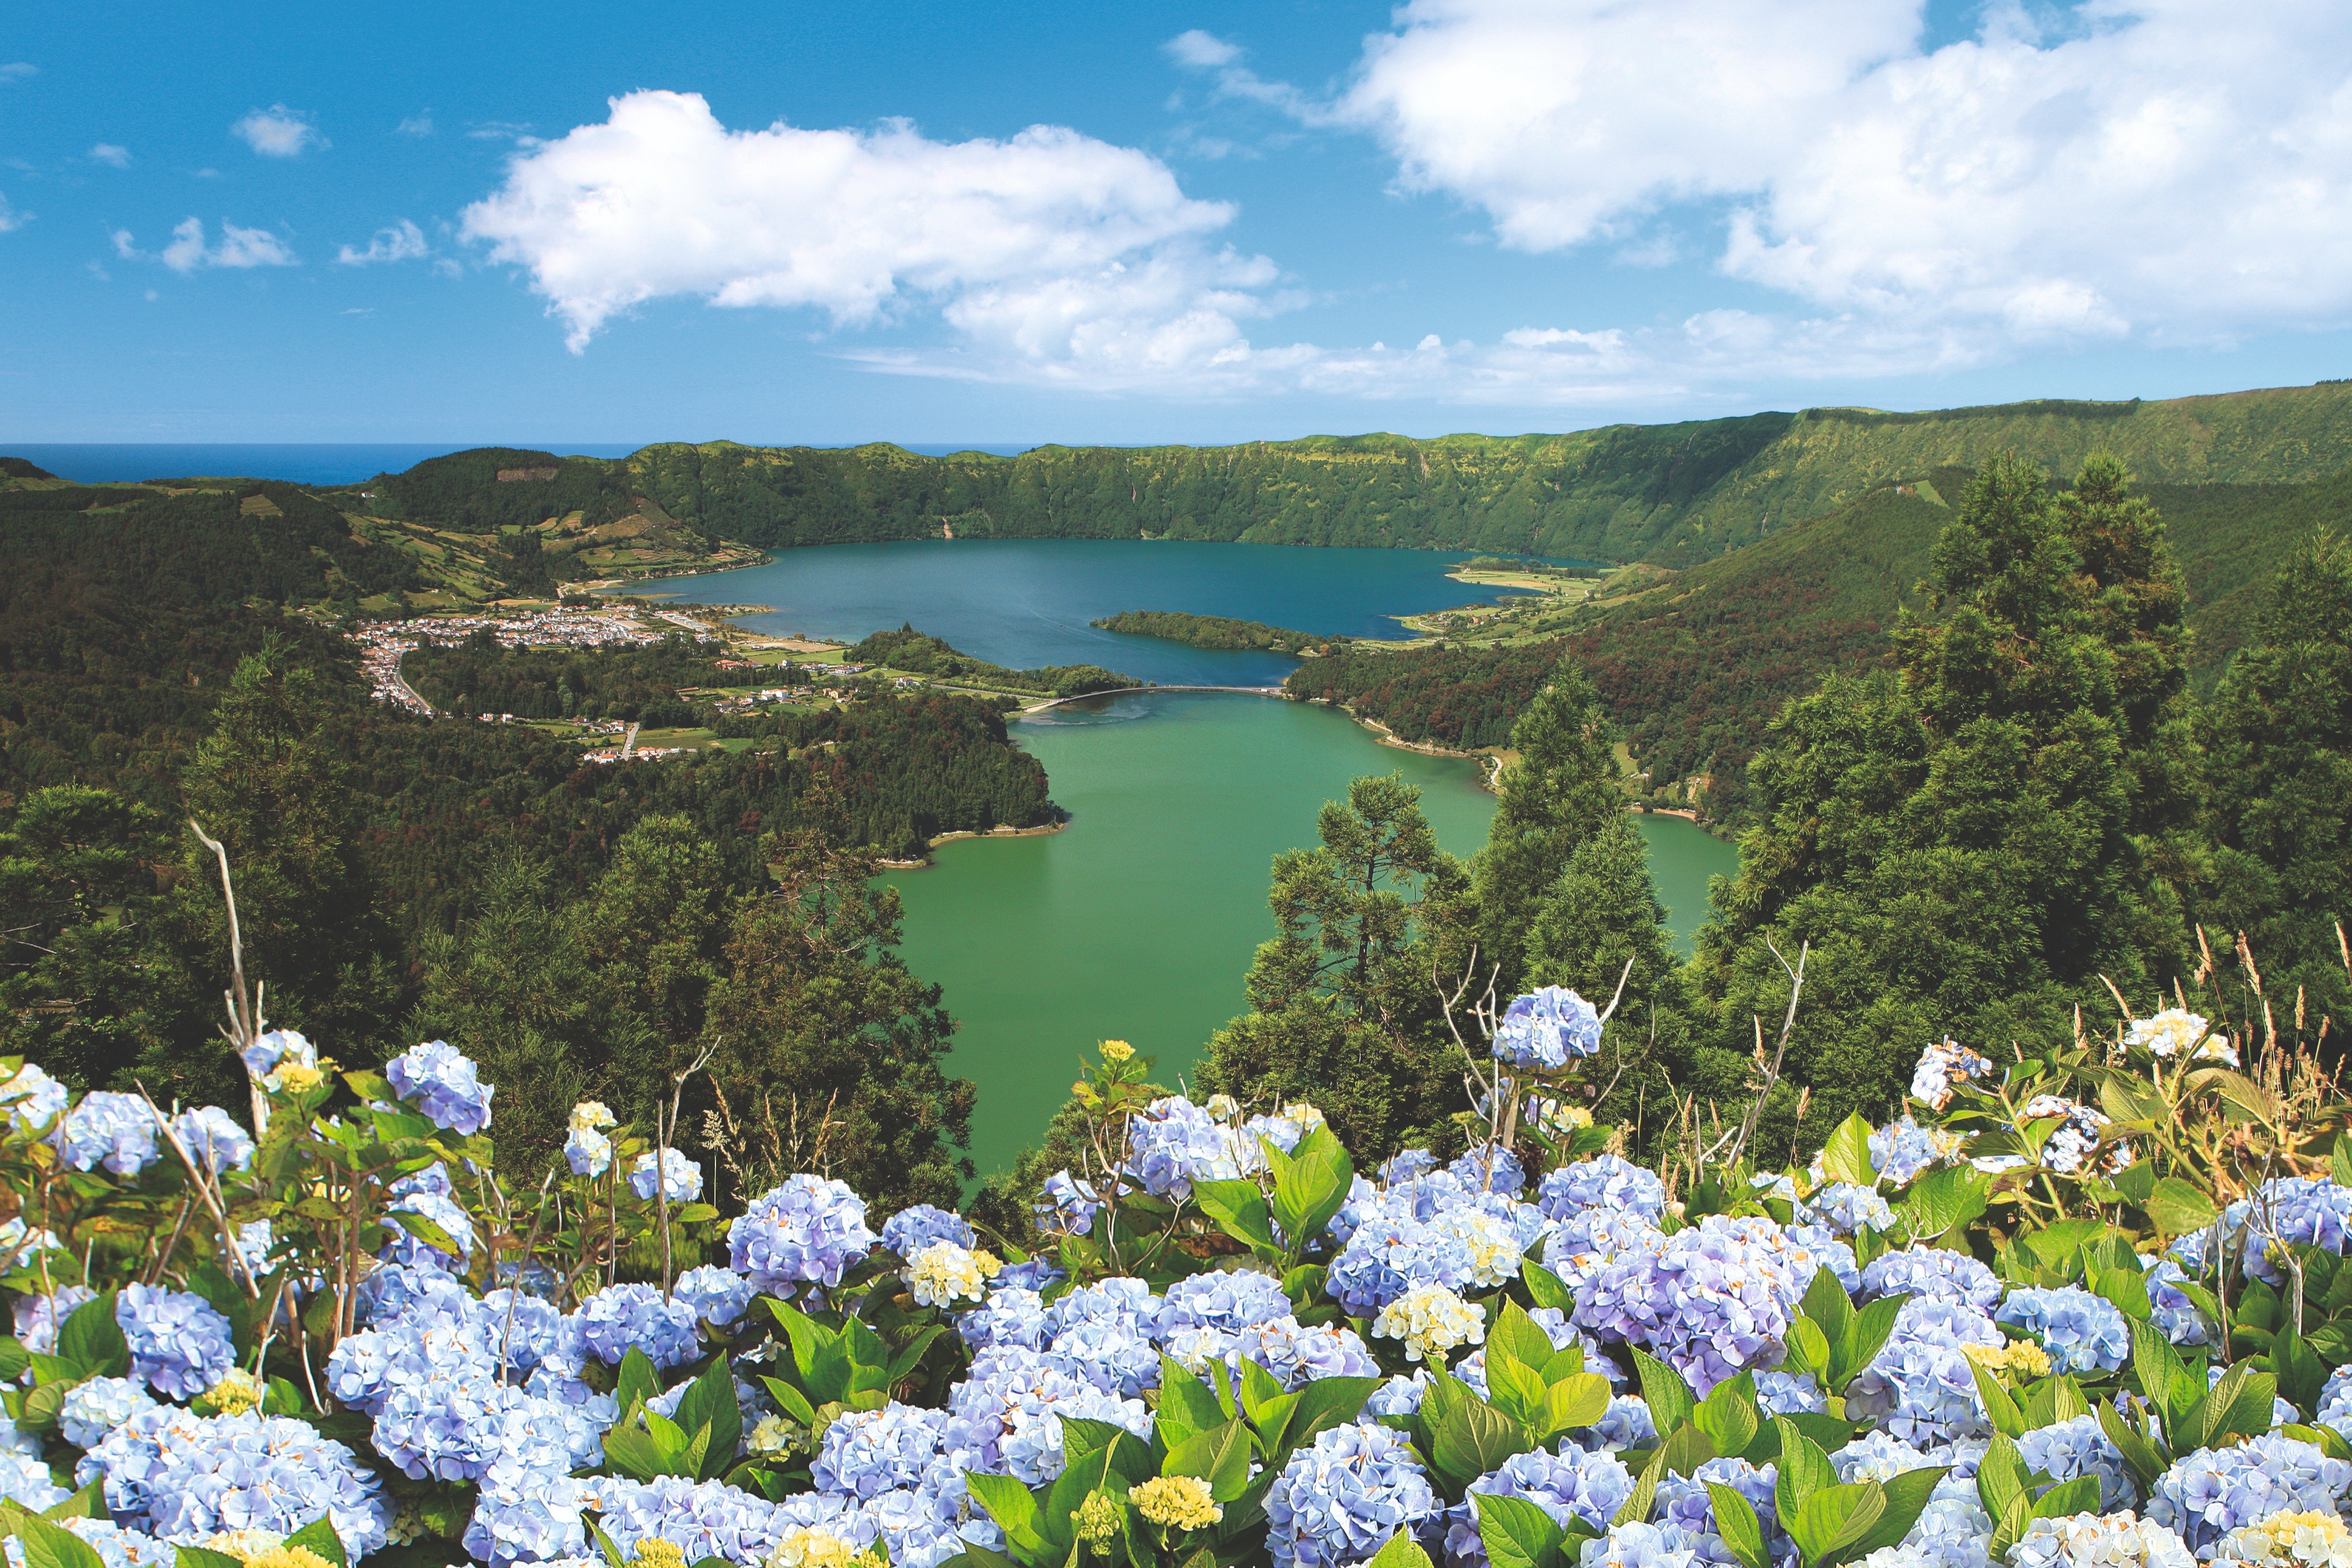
x: 313, y: 462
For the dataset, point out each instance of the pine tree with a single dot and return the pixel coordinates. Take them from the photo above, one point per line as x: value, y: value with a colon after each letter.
x: 1966, y: 841
x: 2278, y: 752
x: 1554, y: 798
x: 1343, y: 999
x: 78, y: 880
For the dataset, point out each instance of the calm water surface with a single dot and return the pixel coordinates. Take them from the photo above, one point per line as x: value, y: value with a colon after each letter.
x: 1138, y: 922
x: 1026, y: 602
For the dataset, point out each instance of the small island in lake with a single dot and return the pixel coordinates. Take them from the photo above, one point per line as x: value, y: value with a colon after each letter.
x: 1217, y: 632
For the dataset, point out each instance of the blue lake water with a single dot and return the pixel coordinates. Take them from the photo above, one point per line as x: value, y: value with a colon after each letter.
x: 1027, y: 602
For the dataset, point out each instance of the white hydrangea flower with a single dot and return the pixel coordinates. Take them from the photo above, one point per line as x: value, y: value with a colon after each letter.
x: 943, y: 1273
x: 1433, y: 1321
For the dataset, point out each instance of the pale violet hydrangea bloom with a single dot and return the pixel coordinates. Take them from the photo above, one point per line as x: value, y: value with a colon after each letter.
x: 1685, y: 1504
x: 1877, y: 1457
x: 1388, y: 1256
x: 1901, y: 1151
x: 277, y: 1049
x: 1789, y: 1393
x: 2169, y: 1308
x: 1223, y: 1300
x: 179, y: 1344
x: 1626, y: 1423
x: 1714, y: 1300
x: 1172, y: 1143
x: 2291, y: 1212
x: 681, y: 1178
x: 868, y: 1452
x: 2083, y: 1332
x: 1941, y: 1068
x: 2211, y: 1492
x: 1845, y: 1208
x: 807, y: 1230
x: 1490, y: 1167
x: 438, y: 1080
x: 1006, y: 1416
x: 38, y: 1317
x: 1547, y: 1028
x: 702, y: 1519
x: 1341, y: 1498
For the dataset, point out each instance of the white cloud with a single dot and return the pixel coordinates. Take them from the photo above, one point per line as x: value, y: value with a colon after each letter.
x: 10, y: 218
x: 278, y: 132
x: 403, y: 242
x: 1066, y: 255
x: 238, y: 248
x: 416, y: 125
x: 108, y: 153
x: 2170, y: 170
x: 1201, y: 50
x: 18, y: 70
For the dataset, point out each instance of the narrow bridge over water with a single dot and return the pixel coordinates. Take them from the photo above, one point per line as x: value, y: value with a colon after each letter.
x: 1133, y: 690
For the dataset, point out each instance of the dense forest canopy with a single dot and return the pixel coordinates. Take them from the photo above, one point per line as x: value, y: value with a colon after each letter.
x: 1215, y: 632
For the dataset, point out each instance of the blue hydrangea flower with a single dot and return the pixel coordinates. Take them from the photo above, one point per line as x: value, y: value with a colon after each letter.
x: 1626, y: 1423
x: 1570, y: 1485
x: 1877, y: 1457
x: 1953, y: 1530
x: 25, y: 1479
x: 620, y: 1318
x: 1828, y: 1251
x: 1641, y: 1545
x: 1387, y: 1256
x: 116, y: 1547
x: 34, y: 1098
x: 533, y: 1523
x: 2078, y: 1448
x: 179, y: 1344
x: 426, y: 1195
x: 1592, y: 1239
x: 715, y: 1295
x: 910, y: 1230
x: 807, y: 1230
x: 1490, y: 1167
x: 1605, y: 1181
x: 2336, y: 1400
x: 1172, y: 1143
x: 1223, y: 1300
x: 1295, y: 1355
x: 1546, y: 1027
x: 1902, y: 1150
x: 868, y: 1452
x: 2083, y: 1332
x: 1013, y: 1315
x: 1007, y: 1415
x: 2293, y: 1211
x: 1845, y: 1208
x: 440, y: 1082
x: 1713, y: 1301
x: 1069, y: 1207
x: 588, y: 1151
x: 2212, y: 1491
x: 1684, y: 1503
x: 1341, y: 1499
x: 38, y: 1317
x: 1932, y: 1272
x: 1789, y: 1393
x: 262, y: 1057
x: 681, y: 1178
x: 1406, y: 1165
x: 702, y: 1519
x: 214, y: 1139
x: 2169, y: 1308
x: 185, y: 1477
x: 94, y: 1408
x: 116, y: 1131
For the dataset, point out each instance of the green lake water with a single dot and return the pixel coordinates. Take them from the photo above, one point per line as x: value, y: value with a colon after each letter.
x: 1138, y: 921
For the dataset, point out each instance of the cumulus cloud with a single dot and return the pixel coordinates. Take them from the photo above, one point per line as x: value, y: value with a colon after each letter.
x: 2170, y: 170
x: 416, y: 125
x: 1067, y: 253
x: 403, y: 242
x: 278, y: 132
x: 10, y: 218
x: 187, y: 251
x: 113, y: 157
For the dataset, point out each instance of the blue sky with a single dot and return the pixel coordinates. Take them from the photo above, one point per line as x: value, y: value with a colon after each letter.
x: 787, y: 221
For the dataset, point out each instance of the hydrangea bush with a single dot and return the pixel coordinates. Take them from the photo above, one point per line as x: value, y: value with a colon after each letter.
x: 2019, y: 1324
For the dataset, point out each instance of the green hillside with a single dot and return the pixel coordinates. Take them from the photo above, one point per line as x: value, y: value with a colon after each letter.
x: 1675, y: 494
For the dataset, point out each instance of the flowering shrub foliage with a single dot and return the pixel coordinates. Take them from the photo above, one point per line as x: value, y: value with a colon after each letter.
x: 2024, y: 1322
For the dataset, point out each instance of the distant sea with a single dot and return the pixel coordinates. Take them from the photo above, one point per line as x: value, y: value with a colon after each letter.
x: 306, y: 463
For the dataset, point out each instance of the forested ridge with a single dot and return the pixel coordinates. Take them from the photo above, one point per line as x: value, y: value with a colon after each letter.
x: 1673, y: 494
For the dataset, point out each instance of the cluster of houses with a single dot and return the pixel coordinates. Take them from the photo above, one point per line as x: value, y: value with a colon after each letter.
x: 383, y: 643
